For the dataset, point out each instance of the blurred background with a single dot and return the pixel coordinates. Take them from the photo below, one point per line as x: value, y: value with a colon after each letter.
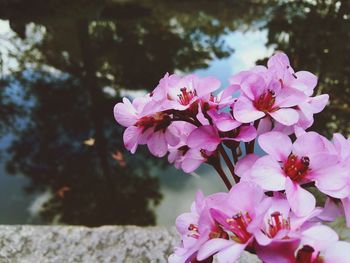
x: 65, y: 64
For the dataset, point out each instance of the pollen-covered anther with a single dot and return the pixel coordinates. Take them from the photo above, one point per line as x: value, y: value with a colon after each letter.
x: 295, y: 168
x: 277, y: 223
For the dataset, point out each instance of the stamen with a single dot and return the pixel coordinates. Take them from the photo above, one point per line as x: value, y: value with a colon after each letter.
x: 186, y: 96
x: 238, y: 226
x: 305, y: 255
x: 266, y: 101
x: 277, y: 223
x: 296, y: 169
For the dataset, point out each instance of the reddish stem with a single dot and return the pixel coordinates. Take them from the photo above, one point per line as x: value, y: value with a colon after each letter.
x: 228, y: 163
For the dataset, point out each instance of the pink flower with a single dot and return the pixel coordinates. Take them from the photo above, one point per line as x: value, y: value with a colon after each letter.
x: 244, y: 166
x: 306, y: 111
x: 281, y: 231
x: 320, y: 245
x: 197, y: 227
x: 342, y: 148
x: 237, y: 215
x: 288, y: 165
x: 282, y: 71
x: 177, y: 152
x: 231, y: 129
x: 180, y: 93
x: 154, y: 128
x: 262, y: 97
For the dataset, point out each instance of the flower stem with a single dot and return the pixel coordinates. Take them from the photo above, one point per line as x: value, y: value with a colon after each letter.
x: 228, y: 163
x: 234, y: 155
x: 222, y: 174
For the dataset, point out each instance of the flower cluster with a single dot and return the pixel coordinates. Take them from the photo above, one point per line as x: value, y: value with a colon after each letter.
x: 269, y: 211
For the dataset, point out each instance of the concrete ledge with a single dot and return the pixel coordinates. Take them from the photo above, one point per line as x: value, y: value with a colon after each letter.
x: 65, y: 244
x: 68, y: 244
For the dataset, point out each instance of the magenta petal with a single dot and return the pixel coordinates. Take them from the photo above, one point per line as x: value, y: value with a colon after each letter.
x: 265, y: 125
x: 276, y: 144
x: 184, y: 220
x: 245, y: 195
x: 204, y: 137
x: 204, y: 86
x: 289, y: 97
x: 253, y: 86
x: 172, y: 135
x: 281, y: 251
x: 244, y: 165
x: 279, y: 60
x: 211, y: 247
x: 318, y: 103
x: 246, y: 134
x: 245, y: 112
x: 339, y: 252
x: 192, y: 160
x: 231, y: 253
x: 332, y: 210
x: 309, y: 79
x: 346, y: 206
x: 262, y: 238
x: 319, y: 237
x: 157, y: 144
x: 310, y: 142
x: 125, y: 113
x: 287, y: 117
x: 223, y: 120
x: 131, y: 137
x: 301, y: 201
x: 267, y: 173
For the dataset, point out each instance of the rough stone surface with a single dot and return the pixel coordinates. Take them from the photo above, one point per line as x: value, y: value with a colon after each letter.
x: 65, y: 244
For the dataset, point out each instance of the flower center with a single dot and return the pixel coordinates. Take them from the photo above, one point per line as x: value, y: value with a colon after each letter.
x: 265, y: 102
x: 159, y: 120
x: 218, y: 232
x: 186, y: 96
x: 305, y: 255
x: 145, y: 122
x: 296, y: 168
x: 277, y: 223
x: 193, y: 231
x: 183, y: 149
x: 238, y: 226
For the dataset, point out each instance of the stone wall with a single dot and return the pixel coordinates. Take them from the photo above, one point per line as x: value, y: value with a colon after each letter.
x: 66, y: 244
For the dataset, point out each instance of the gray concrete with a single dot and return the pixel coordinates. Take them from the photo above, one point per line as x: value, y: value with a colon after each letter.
x: 65, y: 244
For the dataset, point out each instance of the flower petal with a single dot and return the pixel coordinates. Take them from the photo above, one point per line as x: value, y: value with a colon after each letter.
x: 339, y: 252
x: 204, y: 137
x: 301, y: 201
x: 289, y: 97
x: 212, y: 246
x: 244, y: 166
x: 276, y: 144
x: 268, y: 173
x: 231, y: 253
x: 287, y: 117
x: 157, y: 144
x: 125, y: 113
x: 131, y: 137
x: 245, y: 195
x: 319, y: 237
x: 245, y: 112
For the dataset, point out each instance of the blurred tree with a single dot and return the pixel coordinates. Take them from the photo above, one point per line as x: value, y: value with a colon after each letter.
x: 69, y: 54
x: 316, y: 35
